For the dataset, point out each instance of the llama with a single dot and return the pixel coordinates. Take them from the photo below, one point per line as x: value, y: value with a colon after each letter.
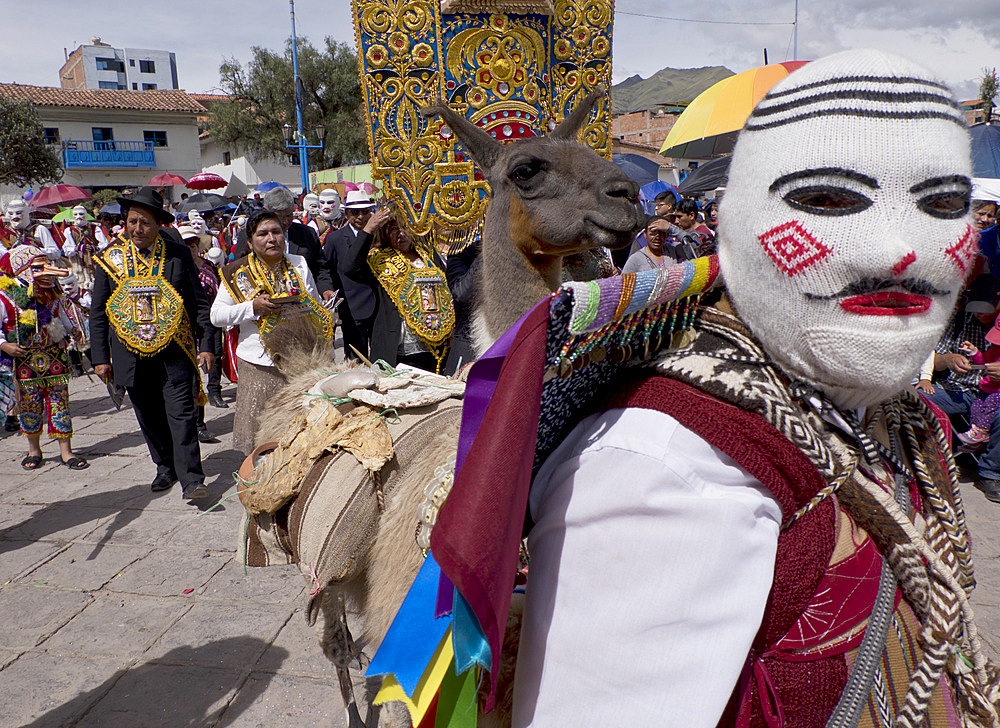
x: 551, y: 197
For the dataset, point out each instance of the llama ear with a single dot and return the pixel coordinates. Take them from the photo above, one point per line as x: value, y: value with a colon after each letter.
x: 575, y: 120
x: 479, y: 144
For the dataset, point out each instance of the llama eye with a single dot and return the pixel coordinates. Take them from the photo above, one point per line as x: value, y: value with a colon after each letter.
x: 827, y: 200
x: 524, y: 172
x: 945, y: 205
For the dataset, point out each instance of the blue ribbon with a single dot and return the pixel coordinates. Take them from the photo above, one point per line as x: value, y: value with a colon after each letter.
x: 471, y: 647
x: 414, y: 634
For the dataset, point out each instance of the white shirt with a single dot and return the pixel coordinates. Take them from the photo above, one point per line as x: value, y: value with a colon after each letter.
x: 652, y: 557
x: 227, y: 313
x: 69, y: 247
x: 47, y: 242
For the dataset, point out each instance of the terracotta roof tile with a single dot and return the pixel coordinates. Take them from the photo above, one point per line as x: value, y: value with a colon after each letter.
x: 168, y: 100
x: 201, y: 98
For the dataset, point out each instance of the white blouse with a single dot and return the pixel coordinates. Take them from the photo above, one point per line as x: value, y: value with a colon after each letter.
x: 226, y: 313
x: 652, y: 556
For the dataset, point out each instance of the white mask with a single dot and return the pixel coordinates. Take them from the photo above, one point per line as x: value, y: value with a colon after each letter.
x: 70, y: 284
x: 310, y: 203
x: 17, y: 215
x: 197, y: 222
x: 79, y: 216
x: 329, y: 204
x: 845, y: 233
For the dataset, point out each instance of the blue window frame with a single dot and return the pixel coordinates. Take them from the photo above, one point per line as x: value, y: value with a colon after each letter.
x: 104, y: 137
x: 157, y: 138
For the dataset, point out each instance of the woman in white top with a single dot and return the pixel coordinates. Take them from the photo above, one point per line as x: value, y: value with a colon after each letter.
x: 256, y: 291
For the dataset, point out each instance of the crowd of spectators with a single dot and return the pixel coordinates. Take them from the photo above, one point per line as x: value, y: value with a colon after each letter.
x: 350, y: 268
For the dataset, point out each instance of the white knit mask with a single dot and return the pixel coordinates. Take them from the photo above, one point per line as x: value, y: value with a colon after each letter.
x: 845, y: 231
x: 310, y: 204
x: 329, y: 204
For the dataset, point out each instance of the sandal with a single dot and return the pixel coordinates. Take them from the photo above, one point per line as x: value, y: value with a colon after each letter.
x: 32, y: 462
x: 76, y: 463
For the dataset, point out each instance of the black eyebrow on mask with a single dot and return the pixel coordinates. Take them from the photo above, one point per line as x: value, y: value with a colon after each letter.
x: 826, y: 171
x: 937, y: 181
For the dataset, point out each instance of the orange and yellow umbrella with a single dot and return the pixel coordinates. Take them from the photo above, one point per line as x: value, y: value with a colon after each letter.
x: 723, y: 108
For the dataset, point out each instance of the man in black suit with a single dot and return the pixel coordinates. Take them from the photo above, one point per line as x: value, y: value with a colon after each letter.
x: 359, y: 285
x: 142, y: 340
x: 299, y: 240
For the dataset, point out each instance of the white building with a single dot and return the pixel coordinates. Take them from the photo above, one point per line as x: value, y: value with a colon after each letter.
x: 117, y: 138
x: 99, y: 66
x: 243, y: 172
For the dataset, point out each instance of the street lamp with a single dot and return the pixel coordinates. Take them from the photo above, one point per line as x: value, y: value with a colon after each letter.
x: 287, y: 131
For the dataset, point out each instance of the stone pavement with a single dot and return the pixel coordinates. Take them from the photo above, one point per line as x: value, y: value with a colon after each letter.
x: 124, y: 608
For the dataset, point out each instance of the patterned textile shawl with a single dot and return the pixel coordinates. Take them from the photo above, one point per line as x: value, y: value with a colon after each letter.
x: 726, y: 362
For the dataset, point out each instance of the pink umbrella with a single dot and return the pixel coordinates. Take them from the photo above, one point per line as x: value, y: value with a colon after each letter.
x: 167, y: 180
x: 60, y: 195
x: 207, y: 181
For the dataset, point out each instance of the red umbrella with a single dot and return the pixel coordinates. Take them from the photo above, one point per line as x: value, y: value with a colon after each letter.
x: 207, y: 181
x: 167, y: 180
x: 60, y: 195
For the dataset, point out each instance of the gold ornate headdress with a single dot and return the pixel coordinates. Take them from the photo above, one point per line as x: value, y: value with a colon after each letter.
x: 513, y: 67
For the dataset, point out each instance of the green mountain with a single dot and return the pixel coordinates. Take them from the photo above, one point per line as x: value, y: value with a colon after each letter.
x: 671, y: 86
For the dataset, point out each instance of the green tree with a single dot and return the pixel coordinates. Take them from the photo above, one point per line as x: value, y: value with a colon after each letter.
x: 102, y: 197
x: 988, y: 91
x: 25, y: 159
x: 263, y: 100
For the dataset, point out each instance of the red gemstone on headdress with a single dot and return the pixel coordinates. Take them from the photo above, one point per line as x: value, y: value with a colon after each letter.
x: 792, y: 247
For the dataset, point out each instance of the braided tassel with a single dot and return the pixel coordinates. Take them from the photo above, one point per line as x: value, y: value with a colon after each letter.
x: 940, y: 633
x: 911, y: 575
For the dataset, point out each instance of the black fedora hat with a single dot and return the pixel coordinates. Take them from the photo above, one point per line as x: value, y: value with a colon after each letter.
x: 148, y: 199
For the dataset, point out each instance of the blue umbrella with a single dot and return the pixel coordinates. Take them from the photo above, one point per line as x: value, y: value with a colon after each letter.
x: 110, y: 209
x: 985, y: 150
x: 640, y: 170
x: 648, y: 193
x: 267, y: 187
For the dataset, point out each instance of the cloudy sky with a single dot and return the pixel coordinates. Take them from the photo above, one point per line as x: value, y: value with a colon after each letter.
x: 957, y: 39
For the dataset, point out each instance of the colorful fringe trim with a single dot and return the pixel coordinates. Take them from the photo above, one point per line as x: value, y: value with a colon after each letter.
x: 435, y: 650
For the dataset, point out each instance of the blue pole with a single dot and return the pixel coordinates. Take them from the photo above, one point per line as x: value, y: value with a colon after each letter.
x: 303, y: 159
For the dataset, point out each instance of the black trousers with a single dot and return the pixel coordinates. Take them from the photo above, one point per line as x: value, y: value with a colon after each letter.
x: 164, y: 405
x: 213, y: 381
x: 420, y: 360
x: 356, y: 333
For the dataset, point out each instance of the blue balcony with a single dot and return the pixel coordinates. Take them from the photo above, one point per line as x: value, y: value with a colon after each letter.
x: 78, y: 153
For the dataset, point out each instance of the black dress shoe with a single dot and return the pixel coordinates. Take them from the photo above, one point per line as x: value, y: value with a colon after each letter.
x: 216, y: 401
x: 205, y: 436
x: 990, y: 488
x: 163, y: 481
x: 194, y: 491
